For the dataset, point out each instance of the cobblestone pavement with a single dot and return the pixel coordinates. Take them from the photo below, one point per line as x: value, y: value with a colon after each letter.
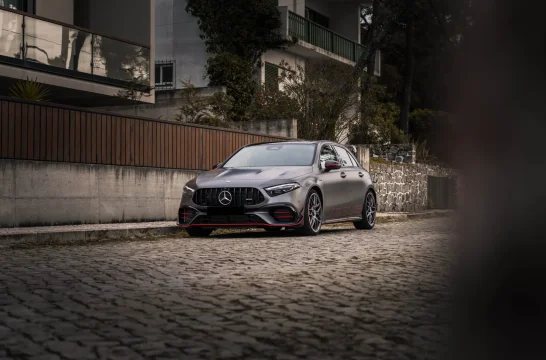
x: 345, y: 294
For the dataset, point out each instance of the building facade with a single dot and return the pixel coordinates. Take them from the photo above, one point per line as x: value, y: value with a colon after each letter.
x: 86, y: 51
x: 324, y: 29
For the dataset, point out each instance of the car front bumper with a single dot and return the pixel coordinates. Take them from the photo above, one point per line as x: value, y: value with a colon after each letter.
x: 285, y: 210
x: 278, y: 215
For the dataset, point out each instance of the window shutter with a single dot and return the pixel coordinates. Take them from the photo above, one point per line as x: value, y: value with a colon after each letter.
x: 271, y: 75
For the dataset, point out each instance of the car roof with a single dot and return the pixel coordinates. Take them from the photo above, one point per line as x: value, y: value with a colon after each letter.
x: 310, y: 142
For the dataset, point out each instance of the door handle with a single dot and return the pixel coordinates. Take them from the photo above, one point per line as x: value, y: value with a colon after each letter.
x: 343, y: 175
x: 361, y: 174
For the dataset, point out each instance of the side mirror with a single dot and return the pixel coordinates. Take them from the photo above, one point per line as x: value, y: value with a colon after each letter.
x: 331, y: 165
x: 216, y: 166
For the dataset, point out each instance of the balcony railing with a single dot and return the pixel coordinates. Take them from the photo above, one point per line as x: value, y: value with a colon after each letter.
x: 315, y: 34
x: 49, y: 46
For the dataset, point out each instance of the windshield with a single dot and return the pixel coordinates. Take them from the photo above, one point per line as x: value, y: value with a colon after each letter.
x: 273, y: 155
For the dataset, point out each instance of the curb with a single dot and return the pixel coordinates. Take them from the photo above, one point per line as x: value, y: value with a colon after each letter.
x: 386, y: 217
x: 85, y: 236
x: 91, y: 236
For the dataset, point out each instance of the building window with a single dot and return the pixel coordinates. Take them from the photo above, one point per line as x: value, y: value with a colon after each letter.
x: 21, y: 5
x: 164, y: 75
x: 317, y: 17
x: 271, y: 75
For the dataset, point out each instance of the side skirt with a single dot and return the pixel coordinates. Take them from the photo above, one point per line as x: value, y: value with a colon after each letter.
x: 335, y: 221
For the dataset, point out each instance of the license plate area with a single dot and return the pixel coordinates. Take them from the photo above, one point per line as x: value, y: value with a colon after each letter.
x: 226, y: 210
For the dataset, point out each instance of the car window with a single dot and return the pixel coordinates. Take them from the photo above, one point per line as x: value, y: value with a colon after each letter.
x: 353, y: 159
x: 327, y: 153
x: 273, y: 155
x: 344, y: 156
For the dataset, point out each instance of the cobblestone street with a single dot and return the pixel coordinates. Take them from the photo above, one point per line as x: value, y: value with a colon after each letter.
x: 345, y: 294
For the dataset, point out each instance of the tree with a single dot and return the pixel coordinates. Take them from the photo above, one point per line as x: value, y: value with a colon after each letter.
x: 410, y: 66
x: 237, y: 33
x: 204, y: 110
x: 310, y: 96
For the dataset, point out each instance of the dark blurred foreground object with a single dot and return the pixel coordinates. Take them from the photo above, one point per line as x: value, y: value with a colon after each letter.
x: 501, y: 98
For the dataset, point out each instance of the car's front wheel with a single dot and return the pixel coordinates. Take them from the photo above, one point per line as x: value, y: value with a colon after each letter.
x: 199, y: 232
x: 312, y: 216
x: 368, y: 213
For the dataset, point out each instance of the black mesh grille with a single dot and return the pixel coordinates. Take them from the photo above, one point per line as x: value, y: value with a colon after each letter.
x: 185, y: 215
x: 240, y: 197
x: 228, y: 220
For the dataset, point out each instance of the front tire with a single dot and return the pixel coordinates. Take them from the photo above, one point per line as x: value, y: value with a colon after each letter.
x: 312, y: 216
x: 199, y: 232
x: 369, y: 212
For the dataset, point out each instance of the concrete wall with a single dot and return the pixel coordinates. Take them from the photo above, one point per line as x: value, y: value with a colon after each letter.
x: 126, y: 19
x: 166, y: 104
x: 285, y: 128
x: 49, y: 193
x: 60, y: 10
x: 177, y: 35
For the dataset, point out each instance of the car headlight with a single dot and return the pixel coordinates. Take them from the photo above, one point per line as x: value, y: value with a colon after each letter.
x: 281, y: 189
x: 188, y: 189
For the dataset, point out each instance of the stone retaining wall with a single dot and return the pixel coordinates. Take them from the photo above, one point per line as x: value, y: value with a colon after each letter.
x: 403, y: 187
x: 398, y: 153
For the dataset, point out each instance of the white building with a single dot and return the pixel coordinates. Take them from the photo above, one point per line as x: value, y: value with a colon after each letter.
x: 82, y: 49
x: 324, y: 29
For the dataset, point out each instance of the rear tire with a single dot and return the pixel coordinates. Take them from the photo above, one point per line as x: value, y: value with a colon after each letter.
x: 199, y: 232
x: 369, y: 211
x: 312, y: 215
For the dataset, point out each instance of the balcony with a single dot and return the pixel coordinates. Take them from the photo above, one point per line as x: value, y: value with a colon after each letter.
x: 48, y: 46
x: 327, y: 42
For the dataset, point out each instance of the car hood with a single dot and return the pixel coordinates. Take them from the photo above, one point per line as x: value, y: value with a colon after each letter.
x: 250, y: 176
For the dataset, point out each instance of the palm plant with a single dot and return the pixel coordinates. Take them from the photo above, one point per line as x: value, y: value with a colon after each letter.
x: 29, y: 89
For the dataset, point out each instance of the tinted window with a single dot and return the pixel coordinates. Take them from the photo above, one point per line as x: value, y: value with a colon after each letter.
x: 327, y: 153
x: 344, y: 156
x: 353, y: 159
x: 273, y: 155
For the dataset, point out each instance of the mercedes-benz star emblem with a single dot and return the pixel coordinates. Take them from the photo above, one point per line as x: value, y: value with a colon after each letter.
x: 225, y: 198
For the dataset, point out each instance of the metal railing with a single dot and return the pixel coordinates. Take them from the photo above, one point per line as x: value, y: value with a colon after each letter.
x: 315, y: 34
x: 50, y: 46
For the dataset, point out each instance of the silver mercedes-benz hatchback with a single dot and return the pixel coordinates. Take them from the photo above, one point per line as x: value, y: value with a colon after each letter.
x: 298, y: 185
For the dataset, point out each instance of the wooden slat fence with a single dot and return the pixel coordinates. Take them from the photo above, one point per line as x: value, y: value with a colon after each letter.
x: 48, y: 132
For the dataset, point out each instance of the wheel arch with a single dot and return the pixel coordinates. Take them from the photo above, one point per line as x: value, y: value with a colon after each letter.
x: 319, y: 191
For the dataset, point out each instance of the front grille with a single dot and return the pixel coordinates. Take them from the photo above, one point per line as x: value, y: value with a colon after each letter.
x: 228, y: 220
x: 240, y: 197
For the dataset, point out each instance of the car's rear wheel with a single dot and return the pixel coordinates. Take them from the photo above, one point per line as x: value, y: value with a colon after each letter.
x: 369, y: 212
x: 199, y: 232
x: 312, y: 216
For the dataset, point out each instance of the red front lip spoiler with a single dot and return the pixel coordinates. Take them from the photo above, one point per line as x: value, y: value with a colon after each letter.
x: 249, y: 225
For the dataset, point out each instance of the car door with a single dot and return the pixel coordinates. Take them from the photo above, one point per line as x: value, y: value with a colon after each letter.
x: 332, y: 184
x: 355, y: 194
